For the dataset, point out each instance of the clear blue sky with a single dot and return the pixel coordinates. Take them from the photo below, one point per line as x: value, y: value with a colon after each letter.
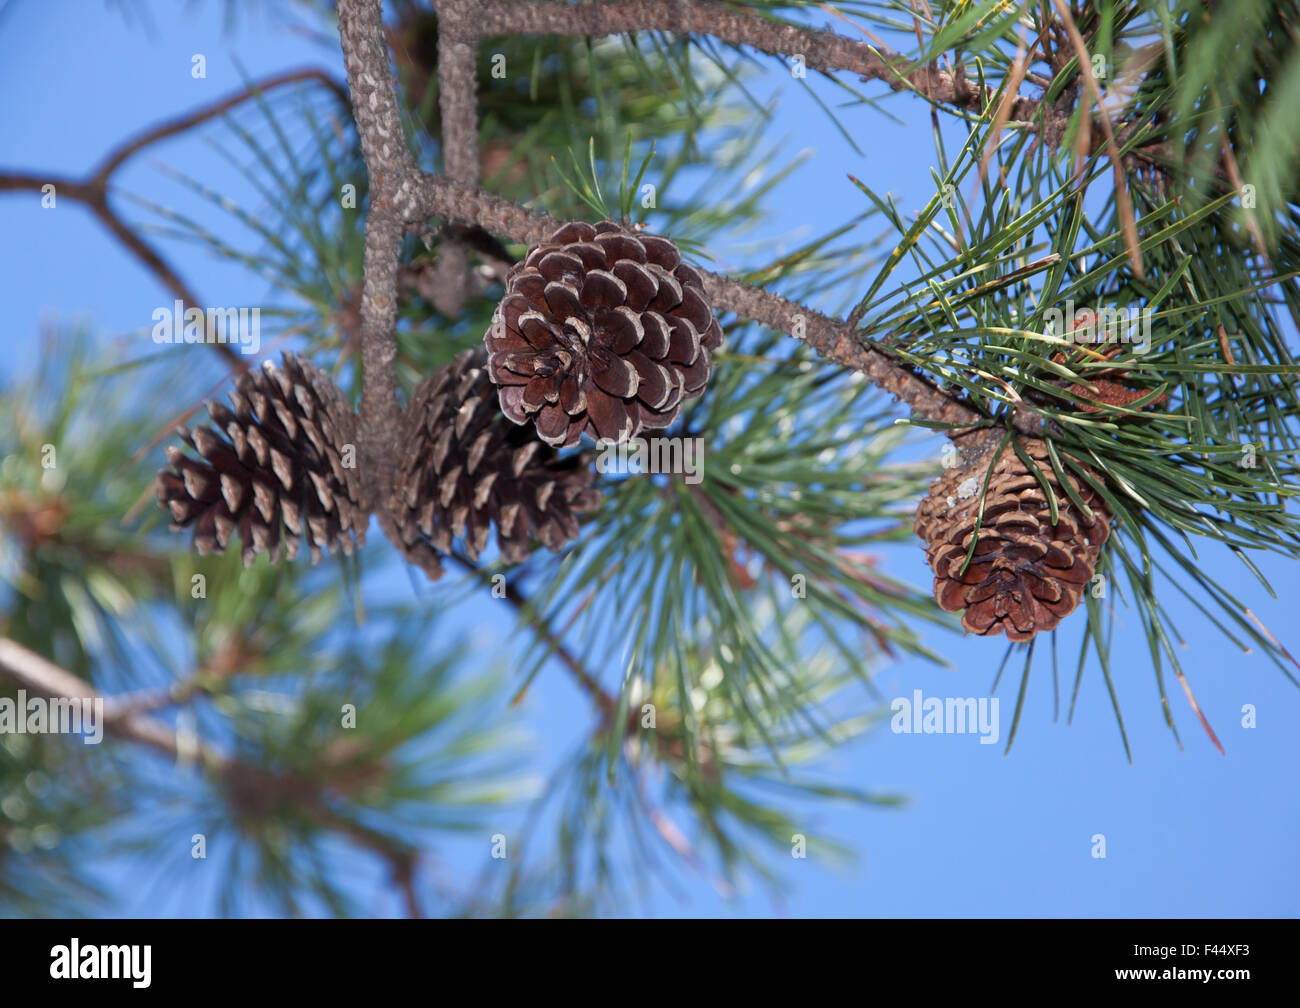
x: 1188, y: 832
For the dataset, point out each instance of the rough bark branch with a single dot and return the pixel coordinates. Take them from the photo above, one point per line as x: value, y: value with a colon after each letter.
x: 391, y: 169
x: 458, y: 88
x: 458, y: 108
x: 821, y: 49
x: 42, y: 677
x: 832, y: 339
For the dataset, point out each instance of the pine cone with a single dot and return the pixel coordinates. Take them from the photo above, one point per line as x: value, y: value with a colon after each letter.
x: 1109, y: 386
x: 602, y: 330
x: 1026, y: 574
x: 273, y: 470
x: 465, y: 466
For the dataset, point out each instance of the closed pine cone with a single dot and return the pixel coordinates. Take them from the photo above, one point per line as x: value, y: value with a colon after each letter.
x: 278, y: 468
x: 465, y: 467
x: 1026, y: 574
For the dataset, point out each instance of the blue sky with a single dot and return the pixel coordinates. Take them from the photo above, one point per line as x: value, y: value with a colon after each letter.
x: 1188, y: 832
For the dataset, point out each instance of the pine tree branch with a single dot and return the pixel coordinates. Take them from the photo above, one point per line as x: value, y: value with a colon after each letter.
x: 180, y: 124
x: 458, y: 88
x: 391, y: 169
x: 458, y: 107
x: 832, y: 339
x: 837, y: 341
x: 33, y: 672
x: 93, y: 190
x: 467, y: 205
x: 1124, y: 201
x: 402, y: 196
x: 380, y: 411
x: 122, y: 719
x: 822, y: 50
x: 95, y: 199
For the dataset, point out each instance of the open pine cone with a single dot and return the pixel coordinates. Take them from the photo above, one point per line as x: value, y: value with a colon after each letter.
x: 273, y: 469
x: 1026, y: 574
x: 464, y: 467
x: 603, y: 330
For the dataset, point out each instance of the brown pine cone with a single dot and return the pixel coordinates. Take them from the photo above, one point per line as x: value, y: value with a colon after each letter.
x: 603, y: 330
x: 1026, y: 574
x: 464, y: 467
x: 273, y: 470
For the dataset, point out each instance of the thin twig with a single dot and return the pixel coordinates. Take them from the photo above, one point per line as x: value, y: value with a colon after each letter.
x: 458, y: 88
x: 33, y: 672
x: 822, y: 50
x: 458, y: 108
x: 114, y: 159
x: 1124, y: 200
x: 95, y: 199
x: 832, y: 339
x: 93, y: 190
x: 524, y: 606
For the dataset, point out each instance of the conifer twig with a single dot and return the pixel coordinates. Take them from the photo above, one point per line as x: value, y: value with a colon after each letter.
x: 821, y: 49
x: 458, y: 87
x: 402, y: 196
x: 1123, y: 200
x: 92, y: 191
x: 832, y: 339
